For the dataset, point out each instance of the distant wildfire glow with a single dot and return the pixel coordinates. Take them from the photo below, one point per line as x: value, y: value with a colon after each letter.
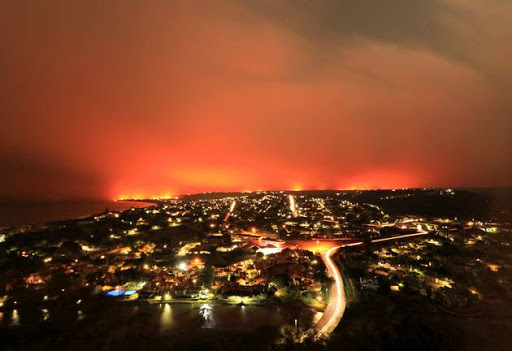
x: 157, y: 99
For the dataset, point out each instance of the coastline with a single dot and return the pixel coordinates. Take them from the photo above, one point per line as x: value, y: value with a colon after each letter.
x: 26, y: 213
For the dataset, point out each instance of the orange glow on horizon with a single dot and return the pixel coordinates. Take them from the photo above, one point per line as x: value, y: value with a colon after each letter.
x: 139, y: 196
x: 139, y: 185
x: 366, y: 183
x: 380, y: 180
x: 297, y: 187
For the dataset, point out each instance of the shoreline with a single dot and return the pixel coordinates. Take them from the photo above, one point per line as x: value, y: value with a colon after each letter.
x: 37, y: 213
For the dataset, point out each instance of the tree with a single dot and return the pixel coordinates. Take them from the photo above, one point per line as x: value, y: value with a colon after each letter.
x: 207, y: 276
x: 59, y: 280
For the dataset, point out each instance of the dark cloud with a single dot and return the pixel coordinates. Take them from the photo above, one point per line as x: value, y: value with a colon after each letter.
x: 328, y: 23
x: 26, y: 177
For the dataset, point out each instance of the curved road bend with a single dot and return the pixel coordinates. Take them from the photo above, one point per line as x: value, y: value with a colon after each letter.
x: 338, y: 299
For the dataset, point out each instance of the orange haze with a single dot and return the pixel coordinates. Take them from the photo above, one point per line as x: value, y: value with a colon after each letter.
x: 139, y: 99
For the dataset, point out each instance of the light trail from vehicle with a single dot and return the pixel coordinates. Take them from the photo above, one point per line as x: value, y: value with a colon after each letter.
x: 337, y: 294
x: 293, y: 206
x: 338, y: 301
x: 231, y: 209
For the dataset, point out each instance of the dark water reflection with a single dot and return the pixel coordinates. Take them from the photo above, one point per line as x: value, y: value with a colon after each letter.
x: 25, y: 213
x: 223, y: 317
x: 162, y: 318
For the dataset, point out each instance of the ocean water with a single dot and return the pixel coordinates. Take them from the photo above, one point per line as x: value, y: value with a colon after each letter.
x: 165, y: 317
x: 40, y: 212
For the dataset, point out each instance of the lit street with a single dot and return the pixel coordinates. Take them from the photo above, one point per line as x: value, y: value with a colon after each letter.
x: 338, y: 300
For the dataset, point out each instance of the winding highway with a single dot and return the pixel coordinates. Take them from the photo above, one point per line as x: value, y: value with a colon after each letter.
x: 338, y: 299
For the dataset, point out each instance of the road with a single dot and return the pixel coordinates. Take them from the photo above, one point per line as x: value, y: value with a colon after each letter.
x: 338, y: 299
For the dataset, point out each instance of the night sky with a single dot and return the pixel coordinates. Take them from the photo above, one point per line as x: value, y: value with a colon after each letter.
x: 149, y: 98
